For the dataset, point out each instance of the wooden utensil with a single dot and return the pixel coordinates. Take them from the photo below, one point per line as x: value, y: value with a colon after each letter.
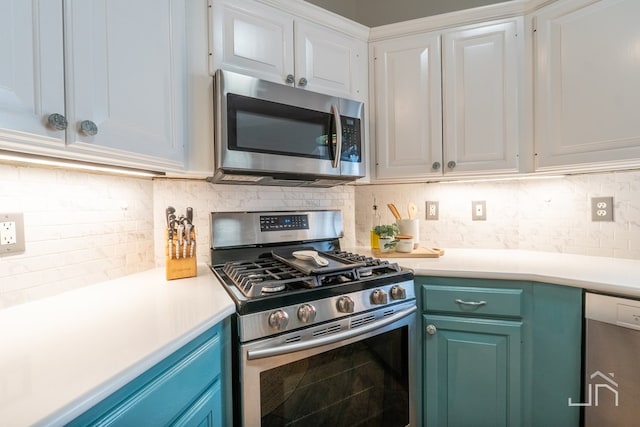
x: 413, y: 210
x: 394, y: 211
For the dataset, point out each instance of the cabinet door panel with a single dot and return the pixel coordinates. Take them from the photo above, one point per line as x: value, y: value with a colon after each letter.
x: 587, y: 85
x: 31, y: 72
x: 408, y: 107
x: 481, y: 98
x: 331, y: 63
x: 252, y: 39
x: 125, y: 74
x: 472, y: 372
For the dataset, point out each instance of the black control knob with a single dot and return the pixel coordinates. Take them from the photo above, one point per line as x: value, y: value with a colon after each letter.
x: 398, y: 292
x: 306, y: 313
x: 345, y: 305
x: 278, y: 320
x: 378, y: 296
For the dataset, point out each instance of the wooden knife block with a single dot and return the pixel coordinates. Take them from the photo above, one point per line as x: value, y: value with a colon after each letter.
x: 180, y: 268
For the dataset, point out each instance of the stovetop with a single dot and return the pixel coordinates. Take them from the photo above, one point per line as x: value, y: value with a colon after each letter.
x: 267, y: 283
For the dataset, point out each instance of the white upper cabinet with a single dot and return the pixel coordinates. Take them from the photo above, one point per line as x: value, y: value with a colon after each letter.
x: 118, y: 80
x: 472, y: 126
x: 482, y: 92
x: 252, y: 38
x: 587, y: 85
x: 408, y: 107
x: 262, y: 41
x: 31, y: 72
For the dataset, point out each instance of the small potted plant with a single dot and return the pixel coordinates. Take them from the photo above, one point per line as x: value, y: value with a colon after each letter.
x: 387, y: 236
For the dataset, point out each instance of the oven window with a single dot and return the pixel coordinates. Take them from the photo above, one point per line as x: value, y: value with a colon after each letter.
x: 365, y: 383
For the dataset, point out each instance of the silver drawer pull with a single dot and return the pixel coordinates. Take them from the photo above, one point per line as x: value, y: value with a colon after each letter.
x: 472, y: 303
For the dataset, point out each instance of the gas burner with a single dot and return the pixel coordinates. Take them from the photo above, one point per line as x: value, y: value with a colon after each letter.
x: 264, y: 276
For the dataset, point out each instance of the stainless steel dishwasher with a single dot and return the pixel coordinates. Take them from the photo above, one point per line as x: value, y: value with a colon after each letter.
x: 612, y: 363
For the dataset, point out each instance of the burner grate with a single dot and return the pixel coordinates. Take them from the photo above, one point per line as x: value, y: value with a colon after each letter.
x: 265, y: 276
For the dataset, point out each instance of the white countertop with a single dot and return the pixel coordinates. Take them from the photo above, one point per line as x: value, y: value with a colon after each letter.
x: 61, y: 355
x: 602, y: 274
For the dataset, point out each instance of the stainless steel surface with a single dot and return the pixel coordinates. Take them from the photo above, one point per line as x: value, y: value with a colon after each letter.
x: 233, y: 229
x: 338, y: 150
x: 611, y: 377
x: 257, y: 325
x: 340, y: 330
x: 275, y: 169
x: 307, y: 313
x: 254, y: 366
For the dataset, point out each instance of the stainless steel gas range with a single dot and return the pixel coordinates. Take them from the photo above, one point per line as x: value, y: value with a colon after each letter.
x: 321, y: 336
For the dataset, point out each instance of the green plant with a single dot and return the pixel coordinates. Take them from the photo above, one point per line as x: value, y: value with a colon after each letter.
x: 386, y: 231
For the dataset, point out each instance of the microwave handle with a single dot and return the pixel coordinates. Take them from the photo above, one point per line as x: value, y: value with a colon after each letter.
x: 338, y: 120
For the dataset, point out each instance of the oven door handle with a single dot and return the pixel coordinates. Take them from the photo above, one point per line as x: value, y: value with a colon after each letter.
x: 350, y: 333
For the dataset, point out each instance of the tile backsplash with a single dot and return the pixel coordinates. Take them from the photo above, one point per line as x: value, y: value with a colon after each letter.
x: 83, y: 228
x: 543, y: 214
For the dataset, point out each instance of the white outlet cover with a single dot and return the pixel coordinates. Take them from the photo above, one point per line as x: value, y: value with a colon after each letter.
x: 11, y: 233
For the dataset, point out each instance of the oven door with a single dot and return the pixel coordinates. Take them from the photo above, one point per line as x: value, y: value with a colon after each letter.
x: 359, y: 375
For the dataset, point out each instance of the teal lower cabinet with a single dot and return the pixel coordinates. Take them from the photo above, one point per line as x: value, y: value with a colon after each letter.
x: 474, y: 371
x: 185, y: 389
x: 499, y: 353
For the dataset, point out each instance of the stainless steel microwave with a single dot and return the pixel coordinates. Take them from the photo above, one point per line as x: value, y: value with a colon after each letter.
x: 272, y: 134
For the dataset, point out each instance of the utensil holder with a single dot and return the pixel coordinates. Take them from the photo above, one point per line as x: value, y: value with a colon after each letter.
x: 180, y: 268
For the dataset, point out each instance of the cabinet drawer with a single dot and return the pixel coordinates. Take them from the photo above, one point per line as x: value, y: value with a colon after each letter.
x: 476, y: 301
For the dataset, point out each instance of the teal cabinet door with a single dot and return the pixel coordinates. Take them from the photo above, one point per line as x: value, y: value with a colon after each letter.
x: 205, y: 412
x: 472, y: 372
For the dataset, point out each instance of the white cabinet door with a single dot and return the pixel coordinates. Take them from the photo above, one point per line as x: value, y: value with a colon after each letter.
x: 251, y: 38
x: 31, y: 73
x: 481, y: 98
x: 125, y: 73
x: 408, y: 107
x: 587, y: 85
x: 329, y: 62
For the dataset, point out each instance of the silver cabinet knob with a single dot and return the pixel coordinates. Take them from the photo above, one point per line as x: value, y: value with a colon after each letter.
x: 57, y: 121
x: 451, y: 164
x: 88, y: 127
x: 302, y: 82
x: 398, y: 292
x: 435, y: 165
x: 278, y: 320
x: 379, y: 297
x: 306, y: 313
x: 290, y: 79
x: 345, y: 305
x: 431, y: 329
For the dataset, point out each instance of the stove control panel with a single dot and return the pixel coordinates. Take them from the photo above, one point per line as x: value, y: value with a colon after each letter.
x: 287, y: 318
x: 284, y: 222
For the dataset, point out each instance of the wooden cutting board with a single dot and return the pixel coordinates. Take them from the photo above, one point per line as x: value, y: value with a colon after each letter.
x: 421, y: 252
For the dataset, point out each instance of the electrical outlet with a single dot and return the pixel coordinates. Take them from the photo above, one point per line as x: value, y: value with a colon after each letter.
x: 433, y: 211
x: 479, y: 210
x: 11, y: 233
x: 602, y: 209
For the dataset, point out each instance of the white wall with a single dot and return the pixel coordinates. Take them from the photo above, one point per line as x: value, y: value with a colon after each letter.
x: 547, y: 215
x: 83, y: 228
